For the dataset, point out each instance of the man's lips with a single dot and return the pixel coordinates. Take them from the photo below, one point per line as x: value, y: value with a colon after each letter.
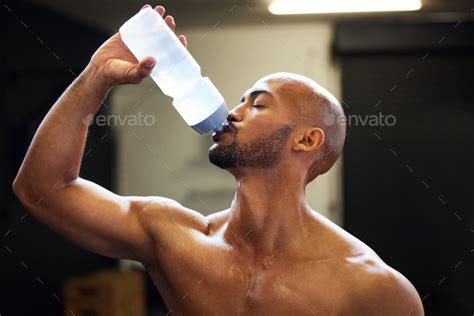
x: 228, y: 128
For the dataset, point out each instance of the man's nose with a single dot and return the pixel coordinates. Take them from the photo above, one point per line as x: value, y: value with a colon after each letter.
x: 235, y: 115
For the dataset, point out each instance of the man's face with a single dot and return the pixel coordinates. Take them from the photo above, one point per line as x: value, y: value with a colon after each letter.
x: 258, y: 131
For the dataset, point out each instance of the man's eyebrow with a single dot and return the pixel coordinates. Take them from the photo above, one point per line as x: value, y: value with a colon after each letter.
x: 255, y: 93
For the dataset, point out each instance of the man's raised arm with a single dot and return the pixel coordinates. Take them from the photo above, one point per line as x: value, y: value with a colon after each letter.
x: 48, y: 182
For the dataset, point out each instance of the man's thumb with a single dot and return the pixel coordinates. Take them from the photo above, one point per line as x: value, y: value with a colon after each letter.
x: 135, y: 73
x: 145, y: 66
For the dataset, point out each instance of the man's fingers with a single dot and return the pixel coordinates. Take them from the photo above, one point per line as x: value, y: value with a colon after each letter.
x: 147, y: 62
x: 170, y: 21
x: 124, y: 72
x: 140, y: 71
x: 160, y: 9
x: 145, y: 66
x: 183, y: 40
x: 146, y: 5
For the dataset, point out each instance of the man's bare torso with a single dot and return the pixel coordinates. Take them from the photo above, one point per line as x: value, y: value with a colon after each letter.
x: 323, y: 275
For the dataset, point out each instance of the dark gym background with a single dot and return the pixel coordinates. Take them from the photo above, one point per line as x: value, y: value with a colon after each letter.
x: 407, y: 190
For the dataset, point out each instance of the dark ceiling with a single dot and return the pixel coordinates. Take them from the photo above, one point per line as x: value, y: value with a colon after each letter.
x: 109, y: 14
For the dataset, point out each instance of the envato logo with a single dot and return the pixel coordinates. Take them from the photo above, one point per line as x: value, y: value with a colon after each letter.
x: 379, y: 120
x: 138, y: 119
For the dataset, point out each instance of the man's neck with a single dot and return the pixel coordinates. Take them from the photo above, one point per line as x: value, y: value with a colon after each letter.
x: 269, y: 213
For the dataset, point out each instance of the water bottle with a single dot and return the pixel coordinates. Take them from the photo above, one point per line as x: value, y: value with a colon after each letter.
x: 176, y: 72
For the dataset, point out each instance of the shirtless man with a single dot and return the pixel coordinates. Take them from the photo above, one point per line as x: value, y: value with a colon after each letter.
x: 269, y: 253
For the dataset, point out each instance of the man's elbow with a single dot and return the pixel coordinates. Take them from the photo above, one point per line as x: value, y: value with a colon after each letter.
x: 26, y: 192
x: 31, y: 191
x: 20, y: 189
x: 17, y: 185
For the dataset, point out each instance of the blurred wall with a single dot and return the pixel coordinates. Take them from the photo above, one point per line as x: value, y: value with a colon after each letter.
x: 169, y: 159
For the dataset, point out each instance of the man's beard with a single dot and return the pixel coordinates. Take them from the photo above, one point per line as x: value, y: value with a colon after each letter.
x: 262, y: 153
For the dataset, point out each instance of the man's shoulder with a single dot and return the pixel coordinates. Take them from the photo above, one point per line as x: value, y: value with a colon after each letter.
x: 160, y: 211
x: 374, y: 288
x: 217, y: 220
x: 364, y: 283
x: 156, y: 213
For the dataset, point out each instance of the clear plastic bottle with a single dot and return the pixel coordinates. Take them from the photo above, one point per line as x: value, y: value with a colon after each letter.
x: 176, y: 72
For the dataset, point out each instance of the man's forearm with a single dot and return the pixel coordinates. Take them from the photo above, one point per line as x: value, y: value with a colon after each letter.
x: 55, y: 153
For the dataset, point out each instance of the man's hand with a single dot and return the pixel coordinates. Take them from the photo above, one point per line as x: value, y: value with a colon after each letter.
x: 116, y: 64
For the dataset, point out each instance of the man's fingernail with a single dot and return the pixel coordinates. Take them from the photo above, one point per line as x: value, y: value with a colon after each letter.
x: 149, y: 63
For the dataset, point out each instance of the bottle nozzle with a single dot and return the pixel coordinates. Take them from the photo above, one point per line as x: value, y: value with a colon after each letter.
x: 221, y: 127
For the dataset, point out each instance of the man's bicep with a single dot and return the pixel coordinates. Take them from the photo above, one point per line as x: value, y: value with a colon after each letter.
x: 94, y: 218
x: 125, y: 227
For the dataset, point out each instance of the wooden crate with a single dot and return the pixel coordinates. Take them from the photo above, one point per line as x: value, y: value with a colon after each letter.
x: 105, y: 293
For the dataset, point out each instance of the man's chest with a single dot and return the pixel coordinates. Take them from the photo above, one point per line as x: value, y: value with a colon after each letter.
x: 232, y: 285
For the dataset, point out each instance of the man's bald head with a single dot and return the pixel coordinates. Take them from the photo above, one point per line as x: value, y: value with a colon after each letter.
x: 283, y: 118
x: 314, y: 106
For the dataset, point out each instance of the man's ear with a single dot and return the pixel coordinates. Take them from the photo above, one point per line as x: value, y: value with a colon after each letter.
x: 311, y: 139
